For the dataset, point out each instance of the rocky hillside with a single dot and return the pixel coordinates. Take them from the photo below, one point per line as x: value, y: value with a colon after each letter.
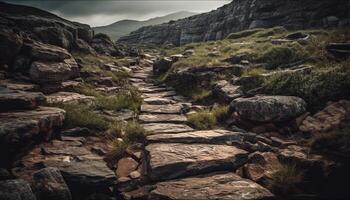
x: 245, y: 14
x: 124, y: 27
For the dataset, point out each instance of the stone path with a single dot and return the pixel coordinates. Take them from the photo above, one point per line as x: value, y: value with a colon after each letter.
x: 184, y: 163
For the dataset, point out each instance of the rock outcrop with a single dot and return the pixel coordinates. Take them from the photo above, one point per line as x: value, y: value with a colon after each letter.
x: 242, y: 14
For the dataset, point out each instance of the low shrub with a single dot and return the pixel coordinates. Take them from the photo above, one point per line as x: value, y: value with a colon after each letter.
x: 134, y: 132
x: 329, y: 82
x: 279, y: 55
x: 220, y: 112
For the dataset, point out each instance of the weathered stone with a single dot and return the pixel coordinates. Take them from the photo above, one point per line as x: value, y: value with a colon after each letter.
x: 227, y: 91
x: 159, y: 94
x: 212, y: 186
x: 152, y: 90
x: 11, y: 44
x: 125, y: 166
x: 18, y: 130
x: 330, y: 118
x: 85, y: 176
x: 268, y: 108
x: 53, y: 72
x: 341, y: 50
x: 21, y: 86
x: 173, y: 160
x: 161, y: 109
x: 69, y: 97
x: 49, y: 184
x: 161, y: 66
x: 159, y: 128
x: 204, y: 137
x: 16, y: 100
x: 162, y: 118
x: 16, y: 189
x: 260, y: 167
x: 46, y: 52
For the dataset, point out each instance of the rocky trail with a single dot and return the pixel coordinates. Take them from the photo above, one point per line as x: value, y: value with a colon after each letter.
x: 184, y: 163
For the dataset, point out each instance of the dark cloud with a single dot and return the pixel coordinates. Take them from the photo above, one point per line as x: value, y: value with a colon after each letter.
x: 101, y: 12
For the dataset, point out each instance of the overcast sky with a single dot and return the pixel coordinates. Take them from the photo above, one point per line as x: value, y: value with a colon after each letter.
x: 103, y: 12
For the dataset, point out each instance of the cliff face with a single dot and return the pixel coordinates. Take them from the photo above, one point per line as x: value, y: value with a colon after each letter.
x: 246, y: 14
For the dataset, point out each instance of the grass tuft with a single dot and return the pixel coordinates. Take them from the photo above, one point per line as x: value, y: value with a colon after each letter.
x: 208, y: 119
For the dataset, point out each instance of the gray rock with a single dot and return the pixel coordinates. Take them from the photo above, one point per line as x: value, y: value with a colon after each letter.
x: 212, y: 186
x: 226, y: 91
x: 11, y: 44
x: 46, y: 52
x: 16, y: 189
x: 173, y: 160
x: 49, y: 184
x: 268, y: 108
x: 162, y: 118
x: 161, y: 109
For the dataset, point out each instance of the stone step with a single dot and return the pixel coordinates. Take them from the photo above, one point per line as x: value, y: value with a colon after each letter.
x: 140, y: 76
x: 152, y: 90
x: 204, y: 137
x: 158, y: 101
x: 175, y: 160
x: 224, y: 186
x: 159, y: 128
x: 159, y: 94
x: 165, y: 118
x: 69, y: 97
x: 161, y: 109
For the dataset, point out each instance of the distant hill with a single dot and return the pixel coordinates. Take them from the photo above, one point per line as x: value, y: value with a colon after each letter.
x: 124, y: 27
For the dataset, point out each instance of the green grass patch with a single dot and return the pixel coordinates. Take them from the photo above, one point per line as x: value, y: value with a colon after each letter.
x: 278, y: 55
x: 254, y: 72
x: 80, y: 115
x: 208, y: 119
x: 244, y: 33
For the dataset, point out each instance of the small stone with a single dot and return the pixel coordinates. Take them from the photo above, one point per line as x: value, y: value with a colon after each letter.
x: 135, y: 174
x: 125, y: 166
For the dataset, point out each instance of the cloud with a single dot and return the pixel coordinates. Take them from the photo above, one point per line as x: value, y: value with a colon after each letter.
x: 102, y: 12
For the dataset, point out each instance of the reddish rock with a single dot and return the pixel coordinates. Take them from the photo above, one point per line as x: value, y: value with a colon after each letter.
x: 125, y: 166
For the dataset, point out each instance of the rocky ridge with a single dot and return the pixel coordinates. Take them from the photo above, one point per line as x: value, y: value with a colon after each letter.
x: 241, y: 15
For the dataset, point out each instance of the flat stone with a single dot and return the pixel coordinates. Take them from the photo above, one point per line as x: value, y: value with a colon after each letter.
x: 165, y: 118
x: 17, y: 100
x: 159, y: 128
x: 227, y: 186
x: 159, y: 94
x: 125, y: 166
x: 69, y: 97
x: 152, y: 90
x: 173, y: 160
x: 66, y: 150
x: 158, y: 101
x: 16, y: 189
x: 161, y: 109
x: 140, y: 75
x: 205, y: 137
x: 22, y: 86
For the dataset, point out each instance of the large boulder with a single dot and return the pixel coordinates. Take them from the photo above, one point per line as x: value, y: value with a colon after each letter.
x: 16, y: 189
x: 16, y: 100
x: 53, y: 72
x: 10, y: 45
x: 49, y: 184
x: 161, y: 66
x: 268, y: 108
x: 55, y: 35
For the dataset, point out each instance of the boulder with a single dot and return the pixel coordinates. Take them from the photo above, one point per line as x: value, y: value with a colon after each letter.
x: 104, y: 46
x: 10, y: 45
x: 53, y: 72
x: 17, y: 100
x: 16, y: 189
x: 46, y: 52
x: 55, y: 36
x: 226, y: 91
x: 161, y: 66
x: 268, y: 108
x: 173, y: 160
x: 49, y: 184
x: 225, y: 186
x: 331, y: 118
